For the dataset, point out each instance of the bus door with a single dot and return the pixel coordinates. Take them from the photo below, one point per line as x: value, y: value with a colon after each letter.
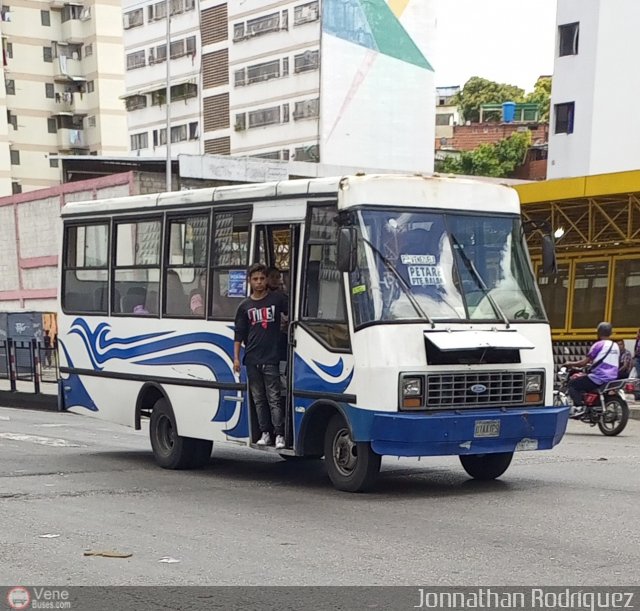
x: 277, y: 245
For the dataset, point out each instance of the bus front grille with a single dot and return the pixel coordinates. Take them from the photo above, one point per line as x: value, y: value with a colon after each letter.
x: 487, y: 388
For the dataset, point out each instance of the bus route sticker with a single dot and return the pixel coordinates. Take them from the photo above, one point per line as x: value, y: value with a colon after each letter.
x: 237, y: 283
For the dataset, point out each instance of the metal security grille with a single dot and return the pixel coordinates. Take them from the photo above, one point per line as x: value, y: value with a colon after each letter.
x: 475, y: 389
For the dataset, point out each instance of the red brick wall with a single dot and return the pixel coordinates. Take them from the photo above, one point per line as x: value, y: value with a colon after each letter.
x: 468, y: 137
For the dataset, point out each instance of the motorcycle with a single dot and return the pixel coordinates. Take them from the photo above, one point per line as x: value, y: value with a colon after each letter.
x: 606, y: 406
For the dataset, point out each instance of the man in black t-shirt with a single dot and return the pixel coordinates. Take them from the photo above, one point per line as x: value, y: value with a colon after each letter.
x: 257, y: 325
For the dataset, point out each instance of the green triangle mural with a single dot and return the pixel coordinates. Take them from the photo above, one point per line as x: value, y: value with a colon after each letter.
x: 371, y: 24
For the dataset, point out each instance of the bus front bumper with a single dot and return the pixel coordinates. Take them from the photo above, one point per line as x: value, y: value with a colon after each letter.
x: 467, y: 432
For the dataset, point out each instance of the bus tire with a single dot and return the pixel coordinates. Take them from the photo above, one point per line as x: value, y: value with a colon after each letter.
x: 352, y: 466
x: 170, y: 450
x: 486, y: 466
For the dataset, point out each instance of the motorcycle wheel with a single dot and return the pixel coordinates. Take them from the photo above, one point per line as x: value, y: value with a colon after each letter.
x: 615, y: 417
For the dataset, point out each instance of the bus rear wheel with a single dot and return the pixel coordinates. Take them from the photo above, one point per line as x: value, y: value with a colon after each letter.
x: 486, y: 466
x: 352, y: 465
x: 171, y: 450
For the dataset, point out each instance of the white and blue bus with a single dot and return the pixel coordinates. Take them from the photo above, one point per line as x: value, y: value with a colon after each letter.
x: 416, y: 327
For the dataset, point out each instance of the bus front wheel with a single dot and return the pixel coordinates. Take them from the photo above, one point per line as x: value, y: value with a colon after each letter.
x: 352, y: 465
x: 170, y: 450
x: 486, y: 466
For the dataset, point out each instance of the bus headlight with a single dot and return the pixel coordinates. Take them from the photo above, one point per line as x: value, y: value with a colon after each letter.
x: 412, y: 392
x: 533, y: 388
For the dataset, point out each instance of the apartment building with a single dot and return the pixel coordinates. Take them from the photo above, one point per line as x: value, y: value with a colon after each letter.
x: 63, y: 76
x: 342, y: 82
x: 592, y: 97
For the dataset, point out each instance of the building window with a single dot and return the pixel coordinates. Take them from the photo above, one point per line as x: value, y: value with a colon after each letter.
x: 193, y: 131
x: 12, y: 119
x: 568, y: 36
x: 139, y: 141
x: 136, y: 60
x: 16, y: 187
x: 48, y: 90
x: 91, y: 86
x: 157, y: 11
x: 264, y: 116
x: 178, y: 133
x: 263, y: 72
x: 15, y: 157
x: 133, y: 19
x: 184, y: 91
x: 10, y: 86
x: 71, y: 11
x: 564, y: 118
x: 53, y: 162
x: 159, y: 137
x: 52, y: 126
x: 240, y: 122
x: 306, y: 109
x: 309, y: 60
x: 88, y: 50
x: 135, y: 102
x: 239, y: 78
x: 257, y: 27
x: 45, y: 17
x: 444, y: 119
x: 47, y: 54
x: 305, y: 13
x: 308, y: 153
x: 91, y: 121
x: 9, y: 50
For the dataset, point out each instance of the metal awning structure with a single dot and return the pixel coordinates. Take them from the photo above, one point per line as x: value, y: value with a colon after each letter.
x: 595, y: 212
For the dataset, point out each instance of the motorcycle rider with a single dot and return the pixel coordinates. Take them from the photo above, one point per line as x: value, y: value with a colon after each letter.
x: 602, y: 360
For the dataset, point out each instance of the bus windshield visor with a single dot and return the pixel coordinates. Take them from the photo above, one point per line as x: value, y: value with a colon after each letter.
x: 432, y: 266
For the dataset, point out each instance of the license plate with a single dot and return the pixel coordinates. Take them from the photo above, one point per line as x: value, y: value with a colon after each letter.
x: 487, y: 428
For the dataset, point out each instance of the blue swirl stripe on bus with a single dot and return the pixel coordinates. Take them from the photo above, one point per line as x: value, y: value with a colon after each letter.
x: 306, y: 378
x: 75, y: 393
x: 101, y: 349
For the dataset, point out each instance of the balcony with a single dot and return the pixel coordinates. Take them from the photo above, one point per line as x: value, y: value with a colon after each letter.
x: 71, y: 102
x: 67, y: 69
x: 56, y: 3
x: 71, y: 139
x: 72, y: 30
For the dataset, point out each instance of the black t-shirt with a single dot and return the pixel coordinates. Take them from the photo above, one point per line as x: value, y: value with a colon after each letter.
x: 258, y: 326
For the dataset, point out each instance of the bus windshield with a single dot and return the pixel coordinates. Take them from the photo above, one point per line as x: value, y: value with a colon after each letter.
x: 434, y: 266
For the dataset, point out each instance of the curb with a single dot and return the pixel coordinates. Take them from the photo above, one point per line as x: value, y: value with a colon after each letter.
x: 28, y: 400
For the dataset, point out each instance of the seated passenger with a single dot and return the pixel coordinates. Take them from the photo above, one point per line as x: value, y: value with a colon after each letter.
x: 197, y: 296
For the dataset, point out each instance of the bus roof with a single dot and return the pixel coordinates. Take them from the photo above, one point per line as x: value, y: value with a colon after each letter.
x: 390, y: 189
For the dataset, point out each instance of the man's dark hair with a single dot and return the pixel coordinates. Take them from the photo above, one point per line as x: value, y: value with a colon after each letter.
x: 273, y: 270
x: 255, y: 268
x: 604, y: 329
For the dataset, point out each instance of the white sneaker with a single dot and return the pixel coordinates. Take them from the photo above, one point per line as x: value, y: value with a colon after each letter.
x: 279, y: 442
x: 265, y: 440
x: 579, y: 411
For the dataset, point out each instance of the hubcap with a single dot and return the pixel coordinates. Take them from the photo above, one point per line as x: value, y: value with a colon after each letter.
x: 611, y: 414
x: 166, y: 434
x: 345, y: 453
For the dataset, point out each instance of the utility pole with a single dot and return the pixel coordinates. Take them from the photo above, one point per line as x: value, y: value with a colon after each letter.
x: 168, y: 96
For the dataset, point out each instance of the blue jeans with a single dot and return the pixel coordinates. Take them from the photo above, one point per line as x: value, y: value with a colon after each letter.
x: 264, y: 386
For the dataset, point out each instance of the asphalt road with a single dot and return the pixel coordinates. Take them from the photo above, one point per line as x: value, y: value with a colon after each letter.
x: 70, y: 484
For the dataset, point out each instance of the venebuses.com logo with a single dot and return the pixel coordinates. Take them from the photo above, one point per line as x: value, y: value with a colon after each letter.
x: 38, y: 597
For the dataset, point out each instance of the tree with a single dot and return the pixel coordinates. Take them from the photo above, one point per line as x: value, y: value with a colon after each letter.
x: 499, y: 160
x: 541, y: 95
x: 478, y: 91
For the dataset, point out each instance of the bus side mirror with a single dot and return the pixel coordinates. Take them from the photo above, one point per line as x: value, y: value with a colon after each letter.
x: 549, y: 263
x: 347, y: 249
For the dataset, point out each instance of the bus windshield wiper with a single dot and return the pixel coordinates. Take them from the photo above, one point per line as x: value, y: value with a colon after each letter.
x: 406, y: 289
x: 471, y: 268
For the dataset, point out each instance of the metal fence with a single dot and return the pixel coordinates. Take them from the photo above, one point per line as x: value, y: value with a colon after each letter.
x: 28, y: 361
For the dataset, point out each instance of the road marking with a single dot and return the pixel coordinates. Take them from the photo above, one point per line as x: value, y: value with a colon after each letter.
x: 43, y: 441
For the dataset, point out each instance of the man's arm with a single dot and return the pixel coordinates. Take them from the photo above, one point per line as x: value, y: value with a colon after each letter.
x: 581, y: 363
x: 240, y: 334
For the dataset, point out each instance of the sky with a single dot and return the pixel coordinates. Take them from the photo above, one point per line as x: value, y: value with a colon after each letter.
x: 508, y: 41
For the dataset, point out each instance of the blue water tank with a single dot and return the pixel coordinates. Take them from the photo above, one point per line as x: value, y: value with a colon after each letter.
x: 508, y: 112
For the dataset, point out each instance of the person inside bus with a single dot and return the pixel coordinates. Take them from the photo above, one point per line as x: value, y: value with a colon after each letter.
x: 197, y: 296
x: 176, y: 300
x: 275, y: 284
x: 602, y: 362
x: 257, y: 326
